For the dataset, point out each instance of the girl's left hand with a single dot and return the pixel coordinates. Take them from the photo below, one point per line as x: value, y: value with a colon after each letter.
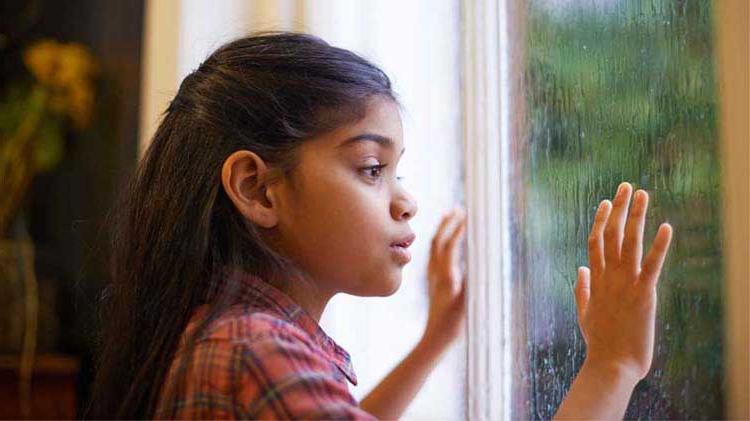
x: 446, y: 282
x: 616, y: 297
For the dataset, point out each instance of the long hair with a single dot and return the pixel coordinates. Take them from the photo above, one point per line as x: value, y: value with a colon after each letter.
x: 175, y: 231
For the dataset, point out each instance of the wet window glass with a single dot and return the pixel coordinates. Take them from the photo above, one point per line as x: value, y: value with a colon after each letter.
x: 617, y: 91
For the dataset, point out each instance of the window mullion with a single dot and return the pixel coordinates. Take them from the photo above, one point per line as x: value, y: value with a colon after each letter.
x: 486, y: 133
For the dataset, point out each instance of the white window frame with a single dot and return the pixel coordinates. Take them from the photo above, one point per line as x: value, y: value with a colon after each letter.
x: 487, y: 105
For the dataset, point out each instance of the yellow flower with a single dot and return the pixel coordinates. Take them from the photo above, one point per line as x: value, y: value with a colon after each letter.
x: 41, y: 59
x: 74, y: 63
x: 59, y: 64
x: 66, y: 69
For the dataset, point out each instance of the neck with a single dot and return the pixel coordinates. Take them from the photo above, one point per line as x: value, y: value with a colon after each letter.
x: 308, y: 295
x: 298, y: 285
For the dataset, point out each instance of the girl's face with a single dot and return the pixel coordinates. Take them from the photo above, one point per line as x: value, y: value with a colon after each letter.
x: 345, y: 207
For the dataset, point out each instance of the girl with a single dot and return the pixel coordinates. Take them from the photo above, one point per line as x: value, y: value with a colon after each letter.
x: 269, y: 187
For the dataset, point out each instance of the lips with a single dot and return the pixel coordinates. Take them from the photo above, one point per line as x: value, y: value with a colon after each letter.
x: 400, y: 248
x: 404, y: 241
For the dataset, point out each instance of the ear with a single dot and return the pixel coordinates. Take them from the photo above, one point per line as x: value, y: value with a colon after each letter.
x: 245, y: 178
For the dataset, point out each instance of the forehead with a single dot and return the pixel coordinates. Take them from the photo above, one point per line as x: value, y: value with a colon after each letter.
x: 381, y: 125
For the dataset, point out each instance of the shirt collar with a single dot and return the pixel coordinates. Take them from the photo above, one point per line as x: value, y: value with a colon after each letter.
x: 263, y: 294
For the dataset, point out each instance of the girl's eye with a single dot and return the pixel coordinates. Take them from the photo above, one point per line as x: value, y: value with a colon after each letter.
x: 376, y: 171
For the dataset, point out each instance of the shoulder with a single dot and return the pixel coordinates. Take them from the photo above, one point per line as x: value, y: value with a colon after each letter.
x: 255, y: 364
x: 268, y: 347
x: 242, y: 324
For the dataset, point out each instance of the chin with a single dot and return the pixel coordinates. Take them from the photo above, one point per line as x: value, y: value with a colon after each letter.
x: 391, y: 288
x: 384, y: 289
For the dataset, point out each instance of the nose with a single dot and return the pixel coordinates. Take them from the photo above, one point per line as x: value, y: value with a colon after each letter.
x: 403, y: 207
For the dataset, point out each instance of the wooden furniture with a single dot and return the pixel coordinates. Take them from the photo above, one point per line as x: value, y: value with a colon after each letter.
x: 53, y: 387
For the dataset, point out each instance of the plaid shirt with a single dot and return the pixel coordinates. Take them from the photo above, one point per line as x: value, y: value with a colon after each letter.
x: 266, y: 358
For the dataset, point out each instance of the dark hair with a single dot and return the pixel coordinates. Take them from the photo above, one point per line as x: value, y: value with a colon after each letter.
x: 176, y: 232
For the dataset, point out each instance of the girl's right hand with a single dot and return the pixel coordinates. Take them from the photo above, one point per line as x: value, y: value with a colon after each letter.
x: 446, y: 283
x: 616, y: 297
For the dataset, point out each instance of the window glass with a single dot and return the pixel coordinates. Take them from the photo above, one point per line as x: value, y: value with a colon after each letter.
x: 617, y: 91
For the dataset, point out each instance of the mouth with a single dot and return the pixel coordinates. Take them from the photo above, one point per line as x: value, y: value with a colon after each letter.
x: 400, y: 248
x: 404, y: 242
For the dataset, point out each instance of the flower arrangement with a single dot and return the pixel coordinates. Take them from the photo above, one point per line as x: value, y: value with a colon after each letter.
x: 53, y: 93
x: 56, y: 94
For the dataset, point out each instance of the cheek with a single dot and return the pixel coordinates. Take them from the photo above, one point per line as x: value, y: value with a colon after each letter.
x: 348, y: 217
x: 342, y: 205
x: 342, y: 231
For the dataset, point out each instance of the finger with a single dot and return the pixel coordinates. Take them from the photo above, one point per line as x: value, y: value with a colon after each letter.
x: 596, y: 239
x: 451, y: 229
x: 583, y: 291
x: 613, y: 232
x: 461, y: 297
x: 451, y: 246
x: 653, y: 263
x: 437, y: 239
x: 632, y: 245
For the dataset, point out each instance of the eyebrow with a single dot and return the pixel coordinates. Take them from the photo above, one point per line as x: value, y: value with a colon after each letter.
x: 370, y: 137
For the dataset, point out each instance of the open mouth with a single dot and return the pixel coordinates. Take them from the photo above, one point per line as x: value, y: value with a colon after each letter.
x: 399, y: 248
x: 404, y: 242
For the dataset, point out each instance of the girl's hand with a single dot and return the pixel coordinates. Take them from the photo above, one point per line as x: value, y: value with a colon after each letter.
x: 616, y: 298
x: 446, y: 282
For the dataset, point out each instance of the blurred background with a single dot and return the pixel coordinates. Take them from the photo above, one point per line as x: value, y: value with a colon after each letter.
x: 70, y: 76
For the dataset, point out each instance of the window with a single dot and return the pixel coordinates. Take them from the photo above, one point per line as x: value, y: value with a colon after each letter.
x: 619, y: 91
x: 564, y: 100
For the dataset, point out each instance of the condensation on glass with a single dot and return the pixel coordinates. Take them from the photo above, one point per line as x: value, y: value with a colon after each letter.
x: 612, y: 91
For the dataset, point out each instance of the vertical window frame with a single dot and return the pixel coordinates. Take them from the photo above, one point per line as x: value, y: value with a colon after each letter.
x: 487, y: 130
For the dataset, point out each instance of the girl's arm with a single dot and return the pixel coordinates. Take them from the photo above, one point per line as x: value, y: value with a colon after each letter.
x: 392, y: 396
x: 616, y: 303
x: 445, y: 321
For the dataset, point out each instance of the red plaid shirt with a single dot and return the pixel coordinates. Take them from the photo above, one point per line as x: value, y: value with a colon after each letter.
x: 265, y: 358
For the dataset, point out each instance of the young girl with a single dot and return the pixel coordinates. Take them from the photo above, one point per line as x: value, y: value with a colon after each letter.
x: 269, y: 187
